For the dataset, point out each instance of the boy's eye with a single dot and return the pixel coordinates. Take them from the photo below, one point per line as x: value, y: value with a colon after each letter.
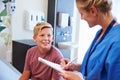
x: 49, y: 35
x: 41, y: 35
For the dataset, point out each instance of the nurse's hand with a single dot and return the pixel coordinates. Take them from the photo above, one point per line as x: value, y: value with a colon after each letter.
x: 65, y: 64
x: 70, y: 75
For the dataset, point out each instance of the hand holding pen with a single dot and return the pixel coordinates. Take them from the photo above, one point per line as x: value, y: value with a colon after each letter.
x: 72, y: 61
x: 72, y: 70
x: 67, y: 64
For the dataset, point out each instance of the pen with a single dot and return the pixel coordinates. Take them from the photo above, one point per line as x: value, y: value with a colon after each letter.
x: 72, y: 61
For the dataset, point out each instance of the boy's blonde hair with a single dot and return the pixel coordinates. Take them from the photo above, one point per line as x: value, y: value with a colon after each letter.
x: 40, y: 26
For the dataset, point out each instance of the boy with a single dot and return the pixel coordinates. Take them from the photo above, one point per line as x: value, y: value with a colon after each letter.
x: 43, y: 36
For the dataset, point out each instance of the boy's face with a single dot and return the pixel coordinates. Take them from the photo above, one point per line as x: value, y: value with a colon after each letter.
x: 44, y: 38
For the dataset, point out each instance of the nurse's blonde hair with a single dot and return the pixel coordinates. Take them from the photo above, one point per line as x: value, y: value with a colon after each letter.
x: 103, y: 5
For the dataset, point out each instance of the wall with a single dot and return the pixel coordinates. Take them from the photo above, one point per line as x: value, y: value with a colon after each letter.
x: 18, y: 19
x: 116, y: 10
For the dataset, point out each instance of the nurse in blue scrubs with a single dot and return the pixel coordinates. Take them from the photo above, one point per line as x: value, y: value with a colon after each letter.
x: 102, y: 60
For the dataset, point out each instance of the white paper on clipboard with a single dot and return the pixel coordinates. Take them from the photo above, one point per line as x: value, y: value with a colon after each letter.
x: 51, y: 64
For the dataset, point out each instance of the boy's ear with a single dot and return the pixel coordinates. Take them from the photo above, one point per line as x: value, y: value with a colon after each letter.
x: 34, y: 39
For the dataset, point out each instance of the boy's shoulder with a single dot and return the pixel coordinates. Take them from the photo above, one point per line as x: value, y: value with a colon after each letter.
x: 56, y: 51
x: 32, y: 49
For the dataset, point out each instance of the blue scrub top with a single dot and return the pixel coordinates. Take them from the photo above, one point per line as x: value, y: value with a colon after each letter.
x: 104, y: 62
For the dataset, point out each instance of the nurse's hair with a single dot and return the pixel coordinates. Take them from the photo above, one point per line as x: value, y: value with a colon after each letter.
x: 103, y: 5
x: 41, y: 25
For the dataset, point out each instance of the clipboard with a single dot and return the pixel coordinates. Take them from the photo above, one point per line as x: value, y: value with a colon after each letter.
x: 55, y: 66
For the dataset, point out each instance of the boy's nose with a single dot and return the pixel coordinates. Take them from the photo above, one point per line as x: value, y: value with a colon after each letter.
x: 46, y: 37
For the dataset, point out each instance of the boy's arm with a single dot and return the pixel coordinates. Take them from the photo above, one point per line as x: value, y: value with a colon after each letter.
x: 25, y: 75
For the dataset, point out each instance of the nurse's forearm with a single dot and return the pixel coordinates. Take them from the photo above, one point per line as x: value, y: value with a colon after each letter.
x: 77, y: 67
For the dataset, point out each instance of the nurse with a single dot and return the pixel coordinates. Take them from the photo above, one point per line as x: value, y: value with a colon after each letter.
x: 102, y: 59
